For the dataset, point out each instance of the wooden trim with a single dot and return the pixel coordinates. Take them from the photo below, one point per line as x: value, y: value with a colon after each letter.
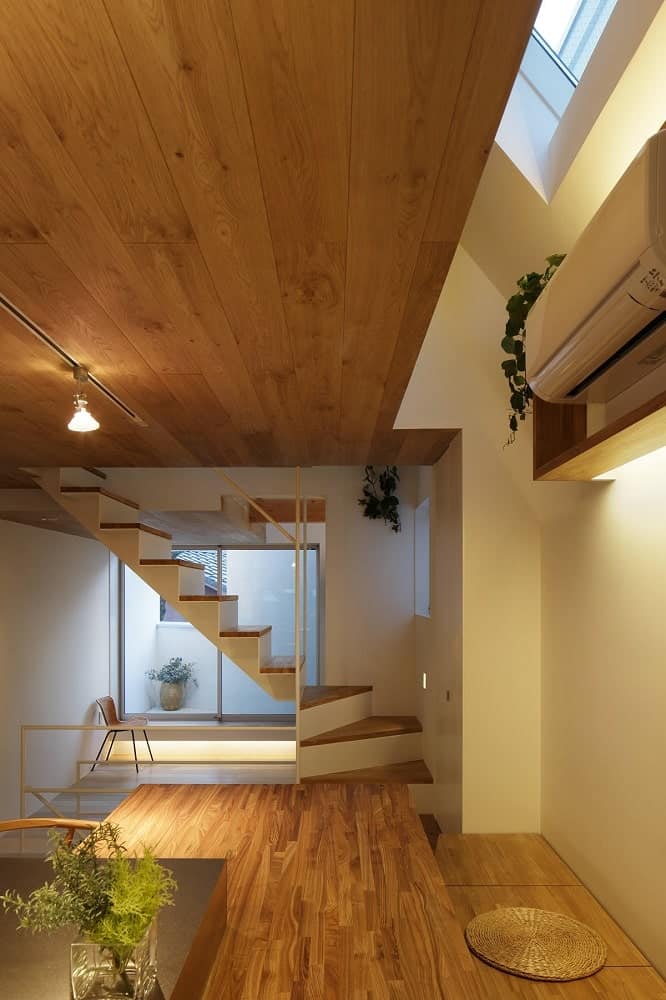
x: 119, y: 525
x: 283, y: 510
x: 374, y: 727
x: 556, y: 428
x: 102, y: 492
x: 635, y: 434
x: 94, y: 472
x: 171, y: 562
x: 208, y: 597
x: 246, y: 631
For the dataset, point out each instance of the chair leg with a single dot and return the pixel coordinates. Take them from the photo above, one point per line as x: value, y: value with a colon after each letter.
x: 136, y: 759
x: 148, y: 745
x: 99, y: 752
x: 113, y: 740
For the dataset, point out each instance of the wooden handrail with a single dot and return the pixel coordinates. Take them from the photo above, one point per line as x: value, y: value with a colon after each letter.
x: 46, y: 823
x: 258, y: 507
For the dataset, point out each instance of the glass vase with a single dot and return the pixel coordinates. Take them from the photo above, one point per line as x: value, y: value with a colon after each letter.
x: 97, y: 973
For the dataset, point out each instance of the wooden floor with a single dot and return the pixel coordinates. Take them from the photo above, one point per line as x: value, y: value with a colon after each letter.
x: 482, y: 872
x: 334, y: 893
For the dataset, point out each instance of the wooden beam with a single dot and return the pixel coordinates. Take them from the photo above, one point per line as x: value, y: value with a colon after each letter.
x: 282, y: 510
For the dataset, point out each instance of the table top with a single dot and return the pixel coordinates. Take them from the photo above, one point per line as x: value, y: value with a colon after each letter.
x: 36, y: 967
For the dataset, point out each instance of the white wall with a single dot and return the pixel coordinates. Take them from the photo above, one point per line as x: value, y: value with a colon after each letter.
x: 457, y: 383
x: 54, y: 650
x: 604, y: 696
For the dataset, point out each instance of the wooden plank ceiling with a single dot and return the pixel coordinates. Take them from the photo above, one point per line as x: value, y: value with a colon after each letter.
x: 239, y: 215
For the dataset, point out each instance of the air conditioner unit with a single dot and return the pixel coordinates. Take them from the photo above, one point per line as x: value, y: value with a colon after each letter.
x: 600, y: 324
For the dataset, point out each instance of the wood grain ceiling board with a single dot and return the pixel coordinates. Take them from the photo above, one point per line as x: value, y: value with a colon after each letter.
x: 239, y: 214
x: 184, y: 59
x: 297, y: 66
x: 79, y: 77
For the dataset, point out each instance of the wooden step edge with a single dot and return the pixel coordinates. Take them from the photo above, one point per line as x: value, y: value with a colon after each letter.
x: 246, y: 632
x: 171, y: 562
x: 208, y: 597
x: 280, y: 665
x: 119, y: 525
x: 350, y: 734
x: 102, y: 492
x: 336, y: 693
x: 409, y: 772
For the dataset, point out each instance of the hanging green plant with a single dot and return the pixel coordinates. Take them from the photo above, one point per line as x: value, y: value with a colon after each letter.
x: 513, y: 342
x: 379, y: 499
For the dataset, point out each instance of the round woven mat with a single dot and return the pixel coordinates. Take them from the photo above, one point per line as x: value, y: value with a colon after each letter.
x: 536, y: 944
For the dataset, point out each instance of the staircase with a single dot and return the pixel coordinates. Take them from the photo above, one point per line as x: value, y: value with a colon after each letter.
x: 117, y: 523
x: 341, y: 740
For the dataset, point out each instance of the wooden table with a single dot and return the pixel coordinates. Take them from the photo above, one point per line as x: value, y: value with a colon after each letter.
x: 333, y: 891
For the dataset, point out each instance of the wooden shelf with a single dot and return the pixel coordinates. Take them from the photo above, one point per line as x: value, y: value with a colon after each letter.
x: 583, y: 458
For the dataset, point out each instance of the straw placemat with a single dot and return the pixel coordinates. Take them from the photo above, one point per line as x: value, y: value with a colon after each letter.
x: 536, y: 944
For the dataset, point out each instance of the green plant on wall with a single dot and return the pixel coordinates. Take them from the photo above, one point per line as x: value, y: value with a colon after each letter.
x: 530, y: 287
x: 379, y: 499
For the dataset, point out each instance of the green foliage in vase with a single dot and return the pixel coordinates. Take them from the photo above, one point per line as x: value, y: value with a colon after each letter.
x: 176, y: 671
x: 530, y: 287
x: 112, y: 901
x: 379, y: 499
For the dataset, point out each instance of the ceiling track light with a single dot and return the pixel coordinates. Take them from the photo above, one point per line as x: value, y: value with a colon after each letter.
x: 25, y: 321
x: 82, y: 421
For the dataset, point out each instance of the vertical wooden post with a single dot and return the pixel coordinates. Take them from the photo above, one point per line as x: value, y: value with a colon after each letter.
x: 297, y: 619
x: 22, y: 775
x: 557, y: 427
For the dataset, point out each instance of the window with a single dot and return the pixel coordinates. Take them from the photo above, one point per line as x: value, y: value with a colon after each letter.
x: 572, y: 28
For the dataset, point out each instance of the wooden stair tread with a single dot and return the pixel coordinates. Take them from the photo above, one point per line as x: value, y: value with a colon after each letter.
x: 120, y: 525
x: 171, y: 562
x: 208, y: 597
x: 251, y: 631
x: 280, y: 665
x: 102, y: 492
x: 410, y: 772
x: 322, y: 694
x: 367, y: 729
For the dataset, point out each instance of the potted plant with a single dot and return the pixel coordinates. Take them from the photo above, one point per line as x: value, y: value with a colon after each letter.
x: 113, y: 901
x: 174, y: 676
x: 379, y: 499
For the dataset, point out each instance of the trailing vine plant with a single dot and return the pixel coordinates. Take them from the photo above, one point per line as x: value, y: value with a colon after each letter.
x: 379, y: 499
x: 518, y: 306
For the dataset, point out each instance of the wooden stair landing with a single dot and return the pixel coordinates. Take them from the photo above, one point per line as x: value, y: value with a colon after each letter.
x: 411, y: 772
x: 322, y: 694
x: 367, y: 729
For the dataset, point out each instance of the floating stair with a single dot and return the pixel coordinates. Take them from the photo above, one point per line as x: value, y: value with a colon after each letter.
x: 119, y: 524
x: 324, y: 694
x: 374, y: 741
x: 410, y: 772
x: 374, y: 727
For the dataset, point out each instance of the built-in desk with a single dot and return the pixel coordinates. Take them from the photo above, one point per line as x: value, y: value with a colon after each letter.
x: 36, y: 967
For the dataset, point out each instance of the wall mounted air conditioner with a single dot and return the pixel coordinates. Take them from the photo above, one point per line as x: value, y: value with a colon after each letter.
x: 600, y: 324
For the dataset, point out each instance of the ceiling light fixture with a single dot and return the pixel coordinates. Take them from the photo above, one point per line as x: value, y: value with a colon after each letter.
x: 82, y: 421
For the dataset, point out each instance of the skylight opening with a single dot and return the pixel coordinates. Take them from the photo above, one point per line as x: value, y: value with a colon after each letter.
x: 570, y: 30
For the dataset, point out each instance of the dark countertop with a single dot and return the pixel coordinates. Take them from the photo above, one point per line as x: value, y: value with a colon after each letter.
x: 36, y: 967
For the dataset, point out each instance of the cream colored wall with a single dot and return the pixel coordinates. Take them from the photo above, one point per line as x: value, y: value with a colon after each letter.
x: 54, y: 650
x: 457, y: 383
x: 604, y: 696
x: 439, y: 640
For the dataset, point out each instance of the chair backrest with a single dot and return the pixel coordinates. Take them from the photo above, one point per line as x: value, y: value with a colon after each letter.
x: 108, y: 709
x: 71, y: 825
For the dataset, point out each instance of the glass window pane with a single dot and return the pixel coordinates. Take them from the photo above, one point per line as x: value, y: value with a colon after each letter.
x: 154, y: 634
x: 572, y: 28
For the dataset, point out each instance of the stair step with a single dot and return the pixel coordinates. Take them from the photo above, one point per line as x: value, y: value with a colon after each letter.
x: 246, y: 631
x: 171, y: 562
x: 410, y: 772
x: 123, y: 526
x: 367, y: 729
x: 102, y: 492
x: 280, y: 665
x: 208, y: 597
x: 322, y: 694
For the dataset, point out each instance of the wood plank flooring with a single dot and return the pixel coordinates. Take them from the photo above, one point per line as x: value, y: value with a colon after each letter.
x: 487, y: 871
x: 334, y: 893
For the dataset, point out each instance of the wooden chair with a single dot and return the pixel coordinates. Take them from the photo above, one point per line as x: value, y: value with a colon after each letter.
x: 44, y: 823
x: 114, y: 725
